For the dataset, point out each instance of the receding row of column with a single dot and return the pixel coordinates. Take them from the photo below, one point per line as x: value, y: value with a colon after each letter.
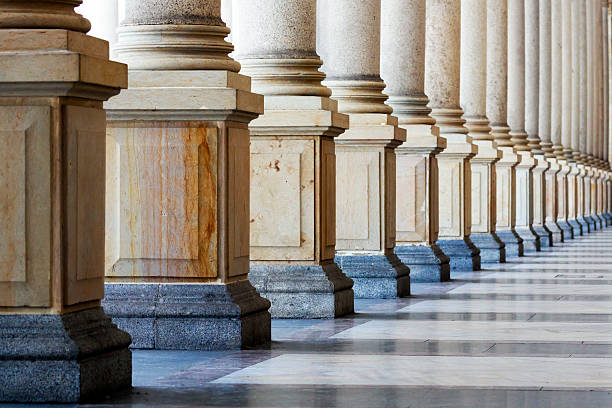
x: 344, y: 149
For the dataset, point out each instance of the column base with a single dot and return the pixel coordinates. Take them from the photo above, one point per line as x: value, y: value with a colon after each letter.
x: 463, y: 254
x: 557, y: 232
x: 62, y: 358
x: 376, y: 276
x: 598, y: 221
x: 304, y: 291
x: 586, y: 227
x: 531, y: 241
x: 513, y: 241
x: 198, y: 316
x: 546, y: 238
x: 427, y: 263
x: 492, y: 249
x: 592, y: 224
x: 608, y: 217
x: 568, y: 231
x: 576, y: 227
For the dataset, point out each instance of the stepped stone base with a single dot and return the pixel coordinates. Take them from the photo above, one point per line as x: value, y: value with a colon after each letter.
x: 376, y: 276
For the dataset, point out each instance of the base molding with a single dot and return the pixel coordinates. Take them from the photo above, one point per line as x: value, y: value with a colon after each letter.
x: 531, y: 241
x: 376, y: 276
x: 513, y: 241
x: 568, y: 231
x: 427, y: 263
x: 304, y: 291
x: 546, y: 237
x: 492, y: 249
x: 576, y: 226
x: 62, y: 358
x: 463, y: 254
x: 556, y: 231
x: 189, y: 316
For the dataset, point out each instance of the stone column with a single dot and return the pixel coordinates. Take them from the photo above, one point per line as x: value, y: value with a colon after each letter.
x: 532, y: 105
x: 587, y: 155
x: 497, y: 102
x: 104, y: 18
x: 177, y: 243
x: 57, y: 344
x: 293, y: 162
x: 580, y: 31
x: 348, y: 39
x: 442, y: 76
x: 473, y: 91
x: 606, y: 110
x: 560, y: 95
x: 516, y: 122
x: 403, y: 70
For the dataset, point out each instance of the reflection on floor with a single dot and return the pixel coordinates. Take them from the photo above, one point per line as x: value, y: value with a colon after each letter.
x: 535, y: 332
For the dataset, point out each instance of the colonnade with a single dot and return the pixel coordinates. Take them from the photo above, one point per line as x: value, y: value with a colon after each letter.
x: 343, y: 149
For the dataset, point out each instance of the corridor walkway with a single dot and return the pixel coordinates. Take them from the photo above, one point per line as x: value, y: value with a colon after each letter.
x: 535, y: 332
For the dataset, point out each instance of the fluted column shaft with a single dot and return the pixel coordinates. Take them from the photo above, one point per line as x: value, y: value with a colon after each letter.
x: 403, y: 70
x: 349, y: 42
x: 442, y: 84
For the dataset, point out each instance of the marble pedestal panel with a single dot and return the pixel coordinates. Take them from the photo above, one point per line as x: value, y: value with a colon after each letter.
x: 177, y: 211
x: 572, y: 202
x: 56, y: 343
x: 551, y: 201
x: 365, y: 206
x: 293, y: 208
x: 417, y: 212
x: 524, y: 202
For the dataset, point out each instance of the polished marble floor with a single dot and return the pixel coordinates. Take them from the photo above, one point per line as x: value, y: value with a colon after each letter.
x: 533, y: 332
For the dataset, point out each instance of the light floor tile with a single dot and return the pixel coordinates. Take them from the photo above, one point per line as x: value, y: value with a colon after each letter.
x: 532, y: 289
x: 441, y: 371
x: 509, y: 306
x: 466, y: 330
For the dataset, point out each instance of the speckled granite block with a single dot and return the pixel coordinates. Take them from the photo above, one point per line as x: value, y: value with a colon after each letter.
x: 376, y: 276
x: 531, y: 242
x: 62, y: 358
x: 584, y: 226
x: 591, y: 221
x: 463, y: 254
x: 513, y: 242
x: 189, y: 316
x: 304, y: 291
x: 576, y: 227
x: 427, y: 263
x: 568, y: 231
x: 546, y: 238
x: 492, y: 249
x: 598, y: 221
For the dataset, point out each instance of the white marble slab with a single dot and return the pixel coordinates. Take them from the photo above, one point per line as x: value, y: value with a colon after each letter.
x: 530, y: 267
x: 561, y: 275
x: 497, y: 331
x: 532, y: 289
x: 437, y: 371
x: 510, y: 306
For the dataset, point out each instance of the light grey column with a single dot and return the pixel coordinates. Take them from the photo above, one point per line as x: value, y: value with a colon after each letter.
x: 473, y: 97
x: 497, y: 102
x: 442, y: 82
x: 348, y: 35
x: 403, y: 70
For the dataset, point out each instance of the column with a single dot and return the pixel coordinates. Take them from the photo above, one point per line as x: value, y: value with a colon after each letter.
x: 532, y: 106
x: 348, y: 39
x: 497, y: 103
x: 579, y: 31
x: 442, y: 77
x: 403, y: 70
x: 293, y: 162
x: 606, y: 97
x: 104, y: 18
x: 55, y: 337
x: 560, y: 95
x: 516, y: 122
x: 473, y: 93
x: 178, y: 169
x: 588, y: 151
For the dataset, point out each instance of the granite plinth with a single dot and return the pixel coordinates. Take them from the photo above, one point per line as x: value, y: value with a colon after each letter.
x: 546, y: 237
x: 531, y: 241
x: 592, y: 224
x: 62, y: 358
x: 427, y: 263
x: 376, y: 276
x: 608, y: 217
x: 304, y: 291
x: 492, y: 249
x: 556, y: 231
x: 586, y: 227
x: 598, y: 221
x: 189, y: 316
x: 568, y: 231
x: 576, y: 226
x: 513, y: 242
x: 463, y: 254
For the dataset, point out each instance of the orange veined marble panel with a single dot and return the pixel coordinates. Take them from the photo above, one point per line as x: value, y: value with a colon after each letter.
x: 162, y: 200
x: 26, y: 252
x: 411, y: 191
x: 450, y: 205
